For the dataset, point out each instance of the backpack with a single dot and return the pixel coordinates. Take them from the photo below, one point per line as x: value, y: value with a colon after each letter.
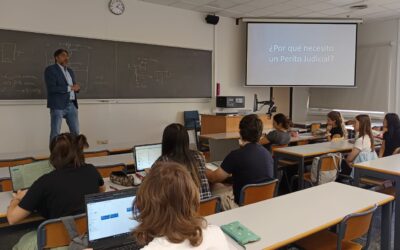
x: 78, y: 242
x: 321, y: 177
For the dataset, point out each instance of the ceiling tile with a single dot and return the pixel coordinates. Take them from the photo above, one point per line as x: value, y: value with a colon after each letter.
x: 222, y: 4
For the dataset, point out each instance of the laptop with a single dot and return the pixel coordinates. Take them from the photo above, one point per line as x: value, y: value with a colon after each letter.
x: 23, y: 176
x: 219, y: 149
x: 146, y: 155
x: 110, y: 222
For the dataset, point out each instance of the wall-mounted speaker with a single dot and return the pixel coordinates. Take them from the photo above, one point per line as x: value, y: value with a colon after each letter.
x: 212, y: 19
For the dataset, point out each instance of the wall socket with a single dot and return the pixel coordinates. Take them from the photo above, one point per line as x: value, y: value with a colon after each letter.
x: 102, y: 142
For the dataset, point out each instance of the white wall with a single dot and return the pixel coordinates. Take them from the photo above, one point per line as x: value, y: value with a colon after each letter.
x: 26, y: 127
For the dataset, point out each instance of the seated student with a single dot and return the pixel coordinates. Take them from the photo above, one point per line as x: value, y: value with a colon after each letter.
x: 364, y: 147
x: 60, y: 192
x: 281, y: 134
x: 168, y: 201
x: 391, y: 137
x: 335, y: 126
x: 175, y: 147
x: 251, y: 164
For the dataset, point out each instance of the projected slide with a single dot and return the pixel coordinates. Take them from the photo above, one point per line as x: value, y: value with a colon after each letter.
x: 293, y: 54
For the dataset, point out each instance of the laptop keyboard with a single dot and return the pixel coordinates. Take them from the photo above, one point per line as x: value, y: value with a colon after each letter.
x: 127, y: 247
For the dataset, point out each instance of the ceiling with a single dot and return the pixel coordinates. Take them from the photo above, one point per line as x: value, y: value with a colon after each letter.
x: 377, y: 9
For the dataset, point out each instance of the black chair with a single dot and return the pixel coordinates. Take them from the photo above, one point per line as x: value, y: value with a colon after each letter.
x: 192, y: 122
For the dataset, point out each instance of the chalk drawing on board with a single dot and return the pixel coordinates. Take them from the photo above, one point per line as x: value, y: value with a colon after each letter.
x: 145, y: 71
x: 22, y: 84
x: 9, y: 52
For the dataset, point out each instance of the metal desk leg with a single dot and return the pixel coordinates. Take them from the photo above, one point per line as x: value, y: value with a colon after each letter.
x: 386, y: 223
x: 357, y: 176
x: 301, y: 173
x: 397, y: 215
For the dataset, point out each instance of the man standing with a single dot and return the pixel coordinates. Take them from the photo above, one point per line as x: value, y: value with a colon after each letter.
x: 61, y: 94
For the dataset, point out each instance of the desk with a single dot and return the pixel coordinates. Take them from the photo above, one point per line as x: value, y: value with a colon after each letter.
x: 236, y: 135
x: 300, y: 153
x: 4, y: 173
x: 5, y: 198
x: 211, y: 124
x: 110, y: 160
x: 286, y: 219
x: 385, y: 168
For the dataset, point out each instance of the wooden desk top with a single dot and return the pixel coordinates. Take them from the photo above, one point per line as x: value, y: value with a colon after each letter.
x: 387, y: 165
x: 109, y: 160
x: 316, y: 149
x: 285, y: 219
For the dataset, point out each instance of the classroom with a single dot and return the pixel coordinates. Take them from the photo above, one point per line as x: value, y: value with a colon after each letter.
x: 199, y: 124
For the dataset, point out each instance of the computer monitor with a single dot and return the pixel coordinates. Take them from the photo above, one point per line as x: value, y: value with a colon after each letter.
x: 109, y: 215
x: 146, y: 155
x: 23, y: 176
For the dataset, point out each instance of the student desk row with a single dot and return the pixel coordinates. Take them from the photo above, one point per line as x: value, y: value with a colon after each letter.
x: 5, y: 198
x: 235, y: 135
x: 101, y: 161
x: 44, y: 154
x: 301, y: 153
x: 288, y: 218
x: 384, y: 168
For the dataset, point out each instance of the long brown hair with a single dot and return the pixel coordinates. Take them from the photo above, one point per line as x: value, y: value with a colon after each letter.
x: 66, y: 150
x: 175, y: 146
x: 339, y: 121
x: 365, y: 128
x: 167, y: 202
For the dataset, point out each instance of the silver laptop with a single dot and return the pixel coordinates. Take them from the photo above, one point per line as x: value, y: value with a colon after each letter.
x: 146, y: 155
x: 23, y: 176
x: 219, y: 149
x: 110, y: 220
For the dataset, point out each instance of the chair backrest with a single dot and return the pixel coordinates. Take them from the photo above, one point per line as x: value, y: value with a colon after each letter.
x: 16, y: 162
x: 253, y: 193
x: 6, y: 185
x: 327, y: 163
x: 106, y: 171
x: 52, y: 233
x: 302, y: 143
x: 191, y: 120
x: 96, y: 153
x: 275, y: 146
x: 210, y: 206
x: 356, y: 225
x: 315, y: 127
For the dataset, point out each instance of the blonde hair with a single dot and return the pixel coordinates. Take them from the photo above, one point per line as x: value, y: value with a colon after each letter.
x: 168, y: 201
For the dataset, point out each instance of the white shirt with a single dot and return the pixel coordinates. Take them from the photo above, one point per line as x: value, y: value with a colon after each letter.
x: 363, y: 144
x: 213, y: 239
x: 69, y: 81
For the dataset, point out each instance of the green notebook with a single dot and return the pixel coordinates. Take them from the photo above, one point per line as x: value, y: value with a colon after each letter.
x: 240, y: 233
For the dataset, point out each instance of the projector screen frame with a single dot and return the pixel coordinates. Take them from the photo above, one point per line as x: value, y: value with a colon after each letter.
x: 309, y: 21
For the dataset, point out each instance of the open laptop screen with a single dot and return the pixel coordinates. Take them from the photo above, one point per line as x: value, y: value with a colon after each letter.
x: 146, y: 155
x: 110, y: 217
x: 23, y: 176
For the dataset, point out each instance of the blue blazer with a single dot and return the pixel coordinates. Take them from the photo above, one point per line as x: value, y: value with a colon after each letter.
x: 57, y: 87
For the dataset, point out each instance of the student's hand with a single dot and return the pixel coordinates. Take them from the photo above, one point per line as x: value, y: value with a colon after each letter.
x: 328, y: 128
x: 20, y: 194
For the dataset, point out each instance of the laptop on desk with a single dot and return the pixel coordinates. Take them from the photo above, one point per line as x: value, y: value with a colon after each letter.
x: 23, y: 176
x: 110, y: 220
x: 145, y: 156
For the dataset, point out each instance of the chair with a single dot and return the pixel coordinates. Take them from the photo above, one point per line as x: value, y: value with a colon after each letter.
x: 352, y: 227
x: 16, y: 162
x: 315, y: 127
x: 5, y: 185
x: 253, y: 193
x: 326, y: 163
x: 105, y: 171
x: 192, y: 122
x: 52, y: 233
x: 96, y: 153
x: 210, y: 206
